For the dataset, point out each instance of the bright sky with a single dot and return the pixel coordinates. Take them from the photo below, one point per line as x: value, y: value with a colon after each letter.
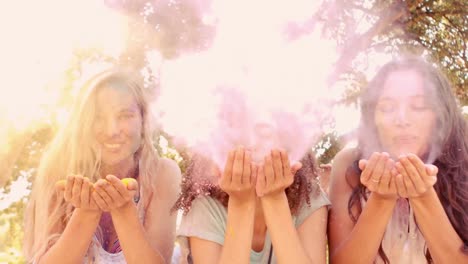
x: 37, y: 47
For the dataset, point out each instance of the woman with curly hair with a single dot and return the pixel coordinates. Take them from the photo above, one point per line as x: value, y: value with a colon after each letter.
x: 91, y: 215
x: 268, y: 212
x: 401, y: 195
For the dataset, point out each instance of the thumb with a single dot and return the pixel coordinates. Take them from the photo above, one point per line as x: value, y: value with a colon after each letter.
x: 260, y: 181
x: 362, y: 164
x: 295, y: 167
x: 254, y: 174
x: 431, y: 170
x: 131, y: 183
x: 60, y: 185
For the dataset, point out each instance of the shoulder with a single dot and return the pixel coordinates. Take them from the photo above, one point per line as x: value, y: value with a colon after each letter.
x: 205, y: 211
x: 165, y: 182
x: 208, y: 203
x: 317, y: 201
x: 342, y: 161
x: 168, y: 171
x: 345, y: 157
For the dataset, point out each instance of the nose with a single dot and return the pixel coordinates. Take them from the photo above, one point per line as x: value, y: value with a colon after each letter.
x: 110, y: 127
x: 402, y: 117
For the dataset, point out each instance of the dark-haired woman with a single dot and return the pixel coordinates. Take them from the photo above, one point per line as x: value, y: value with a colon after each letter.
x: 401, y: 196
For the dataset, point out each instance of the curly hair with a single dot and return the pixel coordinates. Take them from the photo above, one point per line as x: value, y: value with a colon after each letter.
x: 448, y: 151
x: 199, y: 181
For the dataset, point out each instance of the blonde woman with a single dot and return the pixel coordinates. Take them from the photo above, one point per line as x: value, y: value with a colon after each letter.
x: 95, y: 217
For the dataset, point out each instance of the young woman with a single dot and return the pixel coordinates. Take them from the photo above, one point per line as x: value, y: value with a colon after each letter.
x: 272, y: 212
x: 401, y: 195
x: 95, y: 217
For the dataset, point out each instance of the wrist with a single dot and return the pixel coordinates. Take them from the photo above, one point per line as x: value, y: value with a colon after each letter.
x: 423, y: 198
x: 125, y: 209
x: 88, y: 214
x: 241, y: 204
x: 274, y: 197
x: 384, y: 199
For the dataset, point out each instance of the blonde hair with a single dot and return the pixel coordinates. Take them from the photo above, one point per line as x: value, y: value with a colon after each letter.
x: 73, y: 151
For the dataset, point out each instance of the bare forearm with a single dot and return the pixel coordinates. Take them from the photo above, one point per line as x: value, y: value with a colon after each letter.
x: 284, y: 237
x: 443, y: 242
x: 75, y: 239
x: 363, y: 242
x: 239, y: 232
x: 135, y: 246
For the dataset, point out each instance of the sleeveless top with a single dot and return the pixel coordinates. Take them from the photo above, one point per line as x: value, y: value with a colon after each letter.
x: 402, y: 242
x: 100, y: 255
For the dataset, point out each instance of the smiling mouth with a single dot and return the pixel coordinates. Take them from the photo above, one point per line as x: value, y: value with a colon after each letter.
x: 112, y: 147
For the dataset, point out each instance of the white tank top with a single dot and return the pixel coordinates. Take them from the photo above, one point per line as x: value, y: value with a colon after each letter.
x: 101, y: 256
x: 403, y: 243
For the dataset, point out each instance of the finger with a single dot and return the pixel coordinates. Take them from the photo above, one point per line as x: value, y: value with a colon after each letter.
x: 227, y: 173
x: 100, y: 189
x: 76, y: 191
x: 431, y: 170
x: 285, y: 162
x: 268, y: 170
x: 386, y: 176
x: 296, y: 167
x: 277, y: 165
x: 92, y: 202
x: 261, y: 181
x: 413, y: 173
x: 118, y: 185
x: 410, y: 189
x: 99, y: 201
x: 417, y: 164
x: 238, y: 167
x: 367, y: 172
x: 69, y: 188
x: 254, y: 172
x: 114, y: 194
x: 61, y: 185
x: 247, y: 170
x: 379, y: 168
x: 392, y: 188
x: 85, y: 192
x: 60, y: 193
x: 401, y: 188
x: 362, y: 164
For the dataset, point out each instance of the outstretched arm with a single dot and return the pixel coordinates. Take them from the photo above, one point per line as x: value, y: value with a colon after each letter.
x: 307, y: 244
x: 76, y: 238
x: 238, y: 182
x: 359, y: 243
x: 416, y: 181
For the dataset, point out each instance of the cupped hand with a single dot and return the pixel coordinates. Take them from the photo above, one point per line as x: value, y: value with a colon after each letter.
x: 111, y: 193
x: 413, y: 177
x: 77, y: 190
x: 276, y: 174
x: 238, y: 177
x: 377, y: 175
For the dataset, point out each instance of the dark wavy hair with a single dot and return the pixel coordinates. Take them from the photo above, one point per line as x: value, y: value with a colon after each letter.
x: 198, y: 181
x: 448, y: 150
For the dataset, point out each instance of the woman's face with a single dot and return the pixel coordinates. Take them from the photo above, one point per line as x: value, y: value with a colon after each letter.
x: 117, y: 125
x: 403, y: 116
